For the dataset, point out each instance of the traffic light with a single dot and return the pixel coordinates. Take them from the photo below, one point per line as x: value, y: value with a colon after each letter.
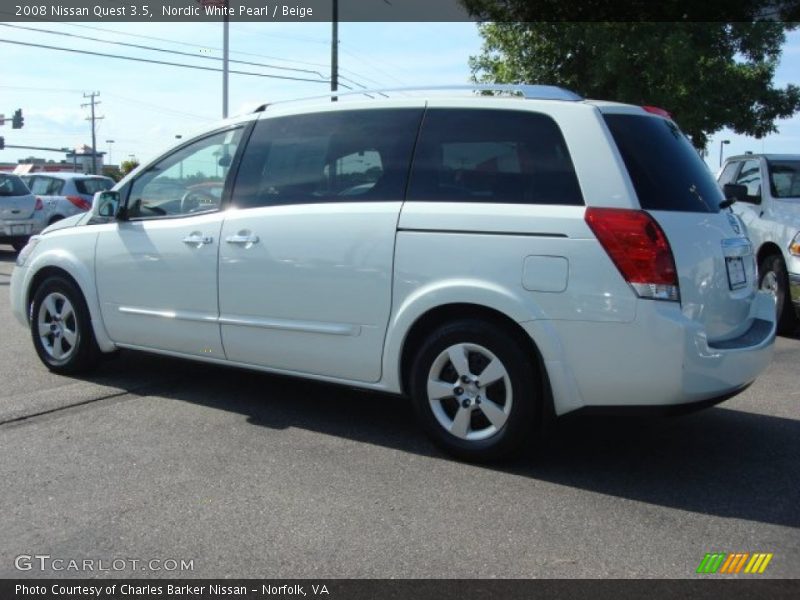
x: 17, y: 121
x: 2, y: 143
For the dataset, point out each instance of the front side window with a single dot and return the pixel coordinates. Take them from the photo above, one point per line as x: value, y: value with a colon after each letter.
x: 729, y: 172
x: 341, y: 156
x: 750, y: 177
x: 499, y: 156
x: 186, y: 182
x: 784, y: 177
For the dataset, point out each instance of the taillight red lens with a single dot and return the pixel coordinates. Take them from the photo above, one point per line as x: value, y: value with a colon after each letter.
x: 655, y: 110
x: 638, y: 247
x: 79, y: 202
x: 39, y: 205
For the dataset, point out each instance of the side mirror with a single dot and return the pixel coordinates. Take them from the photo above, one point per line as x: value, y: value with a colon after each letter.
x: 106, y: 204
x: 735, y: 192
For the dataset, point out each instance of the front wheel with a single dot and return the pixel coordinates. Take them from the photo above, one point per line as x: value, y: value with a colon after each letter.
x: 775, y: 279
x: 61, y: 327
x: 475, y: 390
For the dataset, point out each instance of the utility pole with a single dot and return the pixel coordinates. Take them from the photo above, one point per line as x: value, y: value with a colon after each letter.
x: 335, y: 50
x: 225, y: 64
x: 92, y: 103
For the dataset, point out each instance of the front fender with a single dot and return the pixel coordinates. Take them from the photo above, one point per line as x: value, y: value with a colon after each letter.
x: 78, y: 263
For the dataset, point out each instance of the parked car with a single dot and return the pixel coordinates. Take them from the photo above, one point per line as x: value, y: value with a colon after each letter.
x: 21, y: 213
x: 497, y: 259
x: 767, y: 187
x: 66, y: 194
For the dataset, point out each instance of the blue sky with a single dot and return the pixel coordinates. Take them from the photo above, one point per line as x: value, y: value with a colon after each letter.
x: 146, y: 105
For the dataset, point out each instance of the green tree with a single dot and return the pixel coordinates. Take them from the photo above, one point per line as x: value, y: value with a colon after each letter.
x: 128, y: 165
x: 707, y: 75
x: 113, y: 172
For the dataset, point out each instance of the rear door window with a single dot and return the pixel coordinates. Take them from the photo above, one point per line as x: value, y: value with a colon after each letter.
x: 341, y: 156
x: 784, y: 176
x: 498, y: 156
x: 666, y: 171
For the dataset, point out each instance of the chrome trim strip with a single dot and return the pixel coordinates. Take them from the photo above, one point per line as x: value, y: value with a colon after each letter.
x: 346, y: 329
x: 290, y: 325
x: 732, y: 247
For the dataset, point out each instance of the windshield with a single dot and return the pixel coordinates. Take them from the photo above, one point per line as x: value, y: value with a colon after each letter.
x: 11, y: 185
x: 784, y: 178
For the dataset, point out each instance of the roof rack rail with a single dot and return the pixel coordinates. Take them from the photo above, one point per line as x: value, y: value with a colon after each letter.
x: 528, y: 91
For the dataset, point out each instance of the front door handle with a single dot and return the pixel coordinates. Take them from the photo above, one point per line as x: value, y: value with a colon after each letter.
x: 197, y: 239
x: 244, y: 238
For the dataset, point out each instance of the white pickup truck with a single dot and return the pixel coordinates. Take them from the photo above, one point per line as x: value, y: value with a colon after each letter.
x: 766, y: 188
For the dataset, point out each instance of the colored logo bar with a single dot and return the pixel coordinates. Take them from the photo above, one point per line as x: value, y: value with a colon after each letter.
x: 736, y: 562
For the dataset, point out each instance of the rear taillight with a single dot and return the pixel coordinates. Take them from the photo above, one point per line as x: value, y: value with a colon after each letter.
x: 38, y: 205
x: 640, y: 250
x: 79, y: 202
x: 655, y: 110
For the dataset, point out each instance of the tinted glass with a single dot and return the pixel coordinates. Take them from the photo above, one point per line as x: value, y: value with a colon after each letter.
x: 666, y: 171
x: 728, y: 172
x: 784, y: 178
x: 342, y: 156
x: 483, y: 155
x: 92, y: 186
x: 12, y: 185
x: 188, y: 181
x: 750, y: 177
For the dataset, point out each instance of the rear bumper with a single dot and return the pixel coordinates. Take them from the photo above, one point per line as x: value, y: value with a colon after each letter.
x: 660, y: 359
x: 17, y: 229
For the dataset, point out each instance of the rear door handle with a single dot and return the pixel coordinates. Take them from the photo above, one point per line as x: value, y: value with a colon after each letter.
x: 244, y: 238
x: 197, y: 240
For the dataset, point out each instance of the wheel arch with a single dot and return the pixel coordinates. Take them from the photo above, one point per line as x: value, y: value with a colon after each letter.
x: 767, y: 249
x: 446, y: 313
x: 42, y: 270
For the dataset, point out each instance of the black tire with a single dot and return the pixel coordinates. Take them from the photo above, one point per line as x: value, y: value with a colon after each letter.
x: 77, y: 357
x: 523, y: 416
x: 19, y: 244
x: 774, y: 277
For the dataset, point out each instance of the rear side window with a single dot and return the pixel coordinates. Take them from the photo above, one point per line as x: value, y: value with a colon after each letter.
x: 341, y: 156
x: 92, y: 186
x: 484, y: 155
x: 12, y: 185
x: 784, y: 178
x: 666, y: 171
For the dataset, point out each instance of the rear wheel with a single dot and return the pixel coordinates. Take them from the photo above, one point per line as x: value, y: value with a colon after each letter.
x: 775, y: 279
x: 61, y: 327
x: 475, y: 391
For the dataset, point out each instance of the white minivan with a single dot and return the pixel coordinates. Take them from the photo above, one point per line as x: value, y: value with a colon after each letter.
x: 498, y: 259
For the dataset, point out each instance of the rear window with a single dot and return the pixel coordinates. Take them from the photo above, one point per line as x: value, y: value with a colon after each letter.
x: 784, y: 178
x: 666, y: 171
x: 11, y: 185
x: 92, y: 186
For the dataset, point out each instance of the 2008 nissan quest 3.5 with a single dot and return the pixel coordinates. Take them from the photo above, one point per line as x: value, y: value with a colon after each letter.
x: 495, y: 258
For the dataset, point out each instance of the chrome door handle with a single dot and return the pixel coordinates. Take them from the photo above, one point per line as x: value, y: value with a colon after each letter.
x: 198, y: 239
x: 241, y: 238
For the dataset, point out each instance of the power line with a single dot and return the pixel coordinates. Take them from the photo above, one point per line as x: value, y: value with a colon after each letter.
x: 162, y: 62
x: 154, y: 49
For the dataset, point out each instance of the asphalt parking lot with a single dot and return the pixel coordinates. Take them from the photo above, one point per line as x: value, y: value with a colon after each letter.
x: 250, y: 475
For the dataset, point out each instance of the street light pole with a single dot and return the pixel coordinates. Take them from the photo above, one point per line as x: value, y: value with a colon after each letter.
x: 721, y: 144
x: 335, y: 50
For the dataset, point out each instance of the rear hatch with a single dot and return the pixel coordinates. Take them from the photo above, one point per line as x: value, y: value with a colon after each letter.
x: 713, y: 258
x: 16, y: 201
